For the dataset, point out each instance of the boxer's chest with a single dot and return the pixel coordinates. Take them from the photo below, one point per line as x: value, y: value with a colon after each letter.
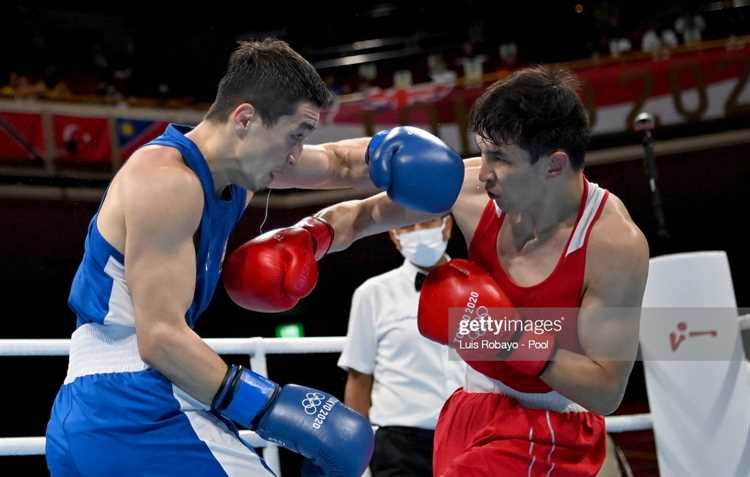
x: 531, y: 262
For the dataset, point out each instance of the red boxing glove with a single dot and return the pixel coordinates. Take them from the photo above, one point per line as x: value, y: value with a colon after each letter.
x: 497, y: 340
x: 273, y: 271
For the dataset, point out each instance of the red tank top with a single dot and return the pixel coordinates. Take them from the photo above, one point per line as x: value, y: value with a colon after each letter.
x: 563, y: 288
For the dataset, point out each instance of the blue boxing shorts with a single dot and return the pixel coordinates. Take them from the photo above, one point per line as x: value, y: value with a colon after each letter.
x: 115, y: 416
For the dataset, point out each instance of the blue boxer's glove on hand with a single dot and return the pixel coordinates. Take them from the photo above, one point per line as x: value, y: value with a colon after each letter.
x: 417, y: 169
x: 335, y: 440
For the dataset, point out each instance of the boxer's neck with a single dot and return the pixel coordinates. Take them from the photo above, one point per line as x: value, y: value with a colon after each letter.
x: 208, y: 137
x: 556, y: 207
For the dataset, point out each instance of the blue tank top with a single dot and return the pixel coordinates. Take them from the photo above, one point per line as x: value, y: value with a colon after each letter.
x: 100, y: 294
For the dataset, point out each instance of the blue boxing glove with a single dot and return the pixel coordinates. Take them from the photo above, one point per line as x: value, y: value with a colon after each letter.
x: 417, y: 169
x: 335, y: 440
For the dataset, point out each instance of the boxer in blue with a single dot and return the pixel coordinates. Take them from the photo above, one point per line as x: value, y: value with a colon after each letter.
x: 144, y: 395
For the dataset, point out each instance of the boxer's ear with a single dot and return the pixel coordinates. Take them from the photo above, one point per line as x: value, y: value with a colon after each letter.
x: 447, y: 227
x: 556, y: 163
x: 242, y: 116
x: 394, y: 239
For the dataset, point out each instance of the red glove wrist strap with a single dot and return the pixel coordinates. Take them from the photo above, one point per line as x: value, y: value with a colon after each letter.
x: 322, y: 234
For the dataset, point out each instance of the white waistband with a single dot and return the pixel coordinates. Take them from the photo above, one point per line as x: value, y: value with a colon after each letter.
x: 552, y: 401
x: 97, y: 349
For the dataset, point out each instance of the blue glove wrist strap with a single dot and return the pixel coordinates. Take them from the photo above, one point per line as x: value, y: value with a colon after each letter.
x: 244, y: 395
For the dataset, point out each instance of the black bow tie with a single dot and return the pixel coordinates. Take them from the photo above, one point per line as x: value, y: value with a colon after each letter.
x: 418, y: 280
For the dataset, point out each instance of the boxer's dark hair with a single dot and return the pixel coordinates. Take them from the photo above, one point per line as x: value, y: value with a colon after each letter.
x: 538, y: 109
x: 272, y: 77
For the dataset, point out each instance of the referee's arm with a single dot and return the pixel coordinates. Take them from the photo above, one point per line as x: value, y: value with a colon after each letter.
x: 358, y: 391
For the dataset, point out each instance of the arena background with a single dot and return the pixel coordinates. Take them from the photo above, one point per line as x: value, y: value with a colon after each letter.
x: 169, y: 59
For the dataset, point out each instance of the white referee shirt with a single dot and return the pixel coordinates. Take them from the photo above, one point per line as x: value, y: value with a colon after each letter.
x: 412, y: 376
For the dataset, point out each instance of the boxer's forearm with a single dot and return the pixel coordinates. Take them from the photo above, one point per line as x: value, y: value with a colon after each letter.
x: 348, y: 220
x: 347, y: 163
x: 182, y: 356
x: 355, y: 219
x: 336, y: 165
x: 597, y: 387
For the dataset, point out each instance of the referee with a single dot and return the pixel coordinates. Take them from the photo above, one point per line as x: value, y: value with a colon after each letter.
x: 396, y: 377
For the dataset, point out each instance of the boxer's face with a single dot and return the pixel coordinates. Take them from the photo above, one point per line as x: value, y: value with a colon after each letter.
x: 268, y: 151
x: 509, y: 177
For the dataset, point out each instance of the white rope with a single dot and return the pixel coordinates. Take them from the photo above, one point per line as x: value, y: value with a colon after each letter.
x: 328, y: 344
x: 630, y: 423
x: 34, y: 347
x: 249, y: 346
x: 35, y: 445
x: 22, y: 446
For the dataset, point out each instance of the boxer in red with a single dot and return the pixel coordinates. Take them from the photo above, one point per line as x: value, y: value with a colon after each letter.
x: 546, y: 237
x: 540, y: 235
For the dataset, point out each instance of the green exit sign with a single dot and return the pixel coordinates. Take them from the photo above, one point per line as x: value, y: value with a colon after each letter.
x: 291, y: 330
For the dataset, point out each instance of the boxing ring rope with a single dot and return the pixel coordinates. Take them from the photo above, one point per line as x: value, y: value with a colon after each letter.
x: 257, y: 349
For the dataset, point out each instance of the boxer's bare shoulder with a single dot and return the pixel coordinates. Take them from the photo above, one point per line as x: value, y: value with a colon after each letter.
x: 155, y: 178
x: 617, y: 248
x: 471, y: 202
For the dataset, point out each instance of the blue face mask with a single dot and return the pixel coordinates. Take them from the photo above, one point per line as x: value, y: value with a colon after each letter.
x: 423, y: 247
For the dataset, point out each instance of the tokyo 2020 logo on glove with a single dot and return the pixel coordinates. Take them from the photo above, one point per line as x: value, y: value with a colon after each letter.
x: 311, y: 402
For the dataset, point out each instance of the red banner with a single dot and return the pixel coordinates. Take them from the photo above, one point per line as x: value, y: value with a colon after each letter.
x: 690, y: 86
x: 82, y: 139
x: 20, y: 132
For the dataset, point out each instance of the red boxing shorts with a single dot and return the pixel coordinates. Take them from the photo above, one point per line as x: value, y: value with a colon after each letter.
x: 490, y: 434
